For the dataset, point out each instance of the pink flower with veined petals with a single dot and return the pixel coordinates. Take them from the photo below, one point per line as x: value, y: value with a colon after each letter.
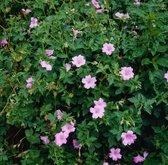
x: 89, y: 82
x: 68, y: 128
x: 166, y: 76
x: 59, y: 114
x: 34, y: 22
x: 95, y: 4
x: 61, y: 138
x: 108, y: 48
x: 100, y: 102
x: 105, y: 163
x: 97, y: 111
x: 3, y: 42
x: 44, y: 139
x: 138, y: 159
x: 128, y: 138
x: 26, y: 11
x: 78, y: 61
x: 75, y: 144
x: 67, y: 66
x: 100, y: 11
x: 126, y: 73
x: 49, y: 52
x: 115, y: 154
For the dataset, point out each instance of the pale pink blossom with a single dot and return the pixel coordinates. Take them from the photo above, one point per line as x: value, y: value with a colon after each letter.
x: 68, y: 128
x: 126, y: 73
x: 78, y: 61
x: 105, y: 163
x: 115, y: 154
x: 29, y: 85
x: 59, y: 114
x: 95, y: 4
x: 89, y: 82
x: 26, y: 11
x: 44, y: 139
x: 75, y: 144
x: 34, y: 22
x: 3, y: 42
x: 97, y: 112
x: 44, y: 64
x: 67, y: 66
x: 128, y: 138
x: 137, y: 2
x: 30, y: 80
x: 49, y: 52
x: 100, y: 103
x: 61, y: 138
x: 100, y: 11
x: 139, y: 159
x: 122, y: 16
x: 76, y: 32
x: 108, y: 48
x: 166, y: 76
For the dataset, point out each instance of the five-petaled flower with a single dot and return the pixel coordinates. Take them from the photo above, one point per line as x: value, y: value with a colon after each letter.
x: 89, y: 82
x: 115, y: 154
x: 108, y: 48
x: 97, y: 111
x: 78, y: 61
x: 126, y: 73
x: 61, y: 138
x: 128, y: 138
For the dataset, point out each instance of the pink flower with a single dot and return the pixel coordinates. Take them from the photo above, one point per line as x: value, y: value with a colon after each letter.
x: 108, y: 48
x: 139, y: 158
x: 44, y: 139
x: 115, y: 154
x: 100, y: 103
x: 67, y: 66
x: 105, y: 163
x: 3, y: 42
x: 137, y: 2
x: 97, y: 111
x: 78, y: 60
x: 128, y: 138
x: 29, y: 80
x: 122, y: 16
x: 75, y: 144
x: 61, y: 138
x: 68, y: 128
x: 95, y: 4
x: 126, y: 73
x: 26, y: 11
x: 89, y: 82
x: 166, y: 76
x: 49, y: 52
x: 76, y: 32
x: 59, y: 114
x: 100, y: 11
x: 29, y: 85
x: 44, y: 64
x: 34, y: 22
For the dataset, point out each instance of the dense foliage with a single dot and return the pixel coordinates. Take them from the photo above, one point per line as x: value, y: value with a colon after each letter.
x: 40, y: 73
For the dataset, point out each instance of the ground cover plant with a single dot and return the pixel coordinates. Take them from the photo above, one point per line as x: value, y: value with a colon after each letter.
x: 83, y: 82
